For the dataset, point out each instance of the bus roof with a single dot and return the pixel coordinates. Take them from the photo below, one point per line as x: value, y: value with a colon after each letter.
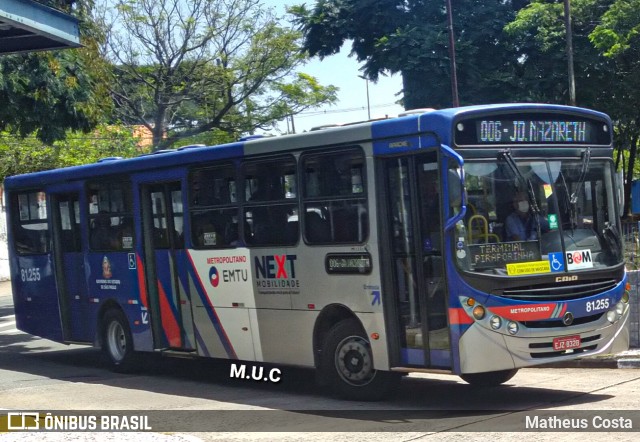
x: 437, y: 121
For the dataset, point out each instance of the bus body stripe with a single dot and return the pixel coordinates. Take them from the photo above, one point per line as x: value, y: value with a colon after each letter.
x: 169, y: 321
x: 211, y: 311
x: 142, y: 285
x: 564, y: 309
x: 459, y: 316
x: 201, y: 344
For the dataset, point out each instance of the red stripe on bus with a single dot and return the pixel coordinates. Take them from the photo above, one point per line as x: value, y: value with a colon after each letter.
x: 525, y: 312
x: 142, y: 285
x: 563, y: 311
x: 459, y: 316
x: 169, y: 322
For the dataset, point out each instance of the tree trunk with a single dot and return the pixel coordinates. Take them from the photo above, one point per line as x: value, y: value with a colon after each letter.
x: 633, y: 149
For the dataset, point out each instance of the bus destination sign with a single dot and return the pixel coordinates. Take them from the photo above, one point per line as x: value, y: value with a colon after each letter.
x: 531, y: 129
x: 528, y: 131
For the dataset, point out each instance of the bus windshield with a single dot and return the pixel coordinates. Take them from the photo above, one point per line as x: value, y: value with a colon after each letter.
x: 538, y: 216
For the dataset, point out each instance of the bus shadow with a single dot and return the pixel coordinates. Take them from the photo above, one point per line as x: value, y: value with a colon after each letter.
x: 210, y: 380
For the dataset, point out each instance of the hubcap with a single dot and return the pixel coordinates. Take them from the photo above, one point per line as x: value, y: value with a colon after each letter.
x: 116, y: 341
x: 354, y: 362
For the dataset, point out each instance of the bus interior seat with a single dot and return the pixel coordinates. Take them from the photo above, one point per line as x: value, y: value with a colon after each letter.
x: 317, y: 229
x: 231, y: 232
x: 345, y: 225
x: 292, y: 231
x: 102, y: 235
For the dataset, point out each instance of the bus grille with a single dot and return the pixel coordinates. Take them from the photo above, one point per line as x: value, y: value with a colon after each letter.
x: 559, y: 292
x: 554, y: 354
x: 559, y: 323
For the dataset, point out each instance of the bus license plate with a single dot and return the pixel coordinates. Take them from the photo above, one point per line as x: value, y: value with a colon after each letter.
x: 566, y: 343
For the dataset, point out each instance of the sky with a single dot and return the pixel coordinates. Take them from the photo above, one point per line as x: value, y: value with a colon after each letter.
x: 343, y: 72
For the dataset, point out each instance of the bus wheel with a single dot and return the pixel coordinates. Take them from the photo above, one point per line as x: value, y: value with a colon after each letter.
x: 117, y: 344
x: 347, y: 365
x: 490, y: 378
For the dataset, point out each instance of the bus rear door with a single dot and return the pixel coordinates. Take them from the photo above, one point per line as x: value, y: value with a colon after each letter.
x: 163, y: 233
x: 416, y: 285
x: 69, y: 266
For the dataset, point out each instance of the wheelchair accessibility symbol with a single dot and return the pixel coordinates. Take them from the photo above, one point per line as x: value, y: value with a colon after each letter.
x: 557, y: 262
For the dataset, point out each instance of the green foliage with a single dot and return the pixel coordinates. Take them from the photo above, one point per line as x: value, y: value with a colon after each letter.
x: 210, y: 138
x: 619, y: 29
x: 47, y: 94
x: 188, y: 68
x: 412, y: 38
x: 29, y: 154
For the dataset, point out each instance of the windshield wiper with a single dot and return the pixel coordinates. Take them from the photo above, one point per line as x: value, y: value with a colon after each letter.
x: 566, y: 201
x: 573, y: 199
x: 586, y: 158
x: 506, y: 156
x: 612, y: 237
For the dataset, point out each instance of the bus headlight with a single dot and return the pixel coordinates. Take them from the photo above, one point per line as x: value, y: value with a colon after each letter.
x: 619, y: 309
x: 495, y: 322
x: 478, y: 312
x: 611, y: 316
x: 512, y: 327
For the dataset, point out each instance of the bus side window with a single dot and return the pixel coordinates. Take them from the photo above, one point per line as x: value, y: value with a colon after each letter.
x: 30, y: 225
x: 271, y: 208
x: 110, y: 216
x: 334, y: 198
x: 214, y: 211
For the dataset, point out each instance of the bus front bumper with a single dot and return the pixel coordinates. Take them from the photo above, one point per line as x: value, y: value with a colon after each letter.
x: 483, y: 350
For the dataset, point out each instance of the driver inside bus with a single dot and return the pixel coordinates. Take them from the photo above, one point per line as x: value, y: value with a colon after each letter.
x: 521, y: 225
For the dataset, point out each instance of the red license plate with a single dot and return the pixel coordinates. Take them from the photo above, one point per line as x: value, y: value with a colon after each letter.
x: 566, y: 343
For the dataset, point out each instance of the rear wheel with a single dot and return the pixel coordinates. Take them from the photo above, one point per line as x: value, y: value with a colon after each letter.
x: 117, y: 344
x: 490, y: 378
x: 347, y: 365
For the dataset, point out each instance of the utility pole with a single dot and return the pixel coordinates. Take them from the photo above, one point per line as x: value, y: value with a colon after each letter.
x: 572, y: 79
x: 293, y: 124
x: 368, y: 104
x: 452, y: 57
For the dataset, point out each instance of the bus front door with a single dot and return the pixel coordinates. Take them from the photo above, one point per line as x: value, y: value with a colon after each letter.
x: 163, y: 233
x: 69, y: 266
x: 417, y: 305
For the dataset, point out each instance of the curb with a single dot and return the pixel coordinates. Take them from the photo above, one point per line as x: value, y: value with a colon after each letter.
x: 629, y: 363
x: 610, y: 362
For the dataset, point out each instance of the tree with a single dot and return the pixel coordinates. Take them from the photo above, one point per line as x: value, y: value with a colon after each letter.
x: 25, y: 155
x: 185, y: 68
x: 617, y: 38
x: 48, y: 93
x: 606, y: 56
x: 411, y: 38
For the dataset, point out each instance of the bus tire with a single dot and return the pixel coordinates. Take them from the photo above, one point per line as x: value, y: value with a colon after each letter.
x: 346, y: 365
x: 490, y: 378
x: 117, y: 343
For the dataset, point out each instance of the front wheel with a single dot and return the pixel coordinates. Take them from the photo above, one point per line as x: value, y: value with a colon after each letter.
x: 117, y: 344
x: 347, y: 365
x: 490, y: 378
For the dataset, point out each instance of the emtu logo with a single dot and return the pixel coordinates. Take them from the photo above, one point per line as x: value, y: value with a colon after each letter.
x: 214, y: 277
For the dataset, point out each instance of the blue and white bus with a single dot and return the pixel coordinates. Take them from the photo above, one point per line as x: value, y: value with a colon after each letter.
x: 366, y: 251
